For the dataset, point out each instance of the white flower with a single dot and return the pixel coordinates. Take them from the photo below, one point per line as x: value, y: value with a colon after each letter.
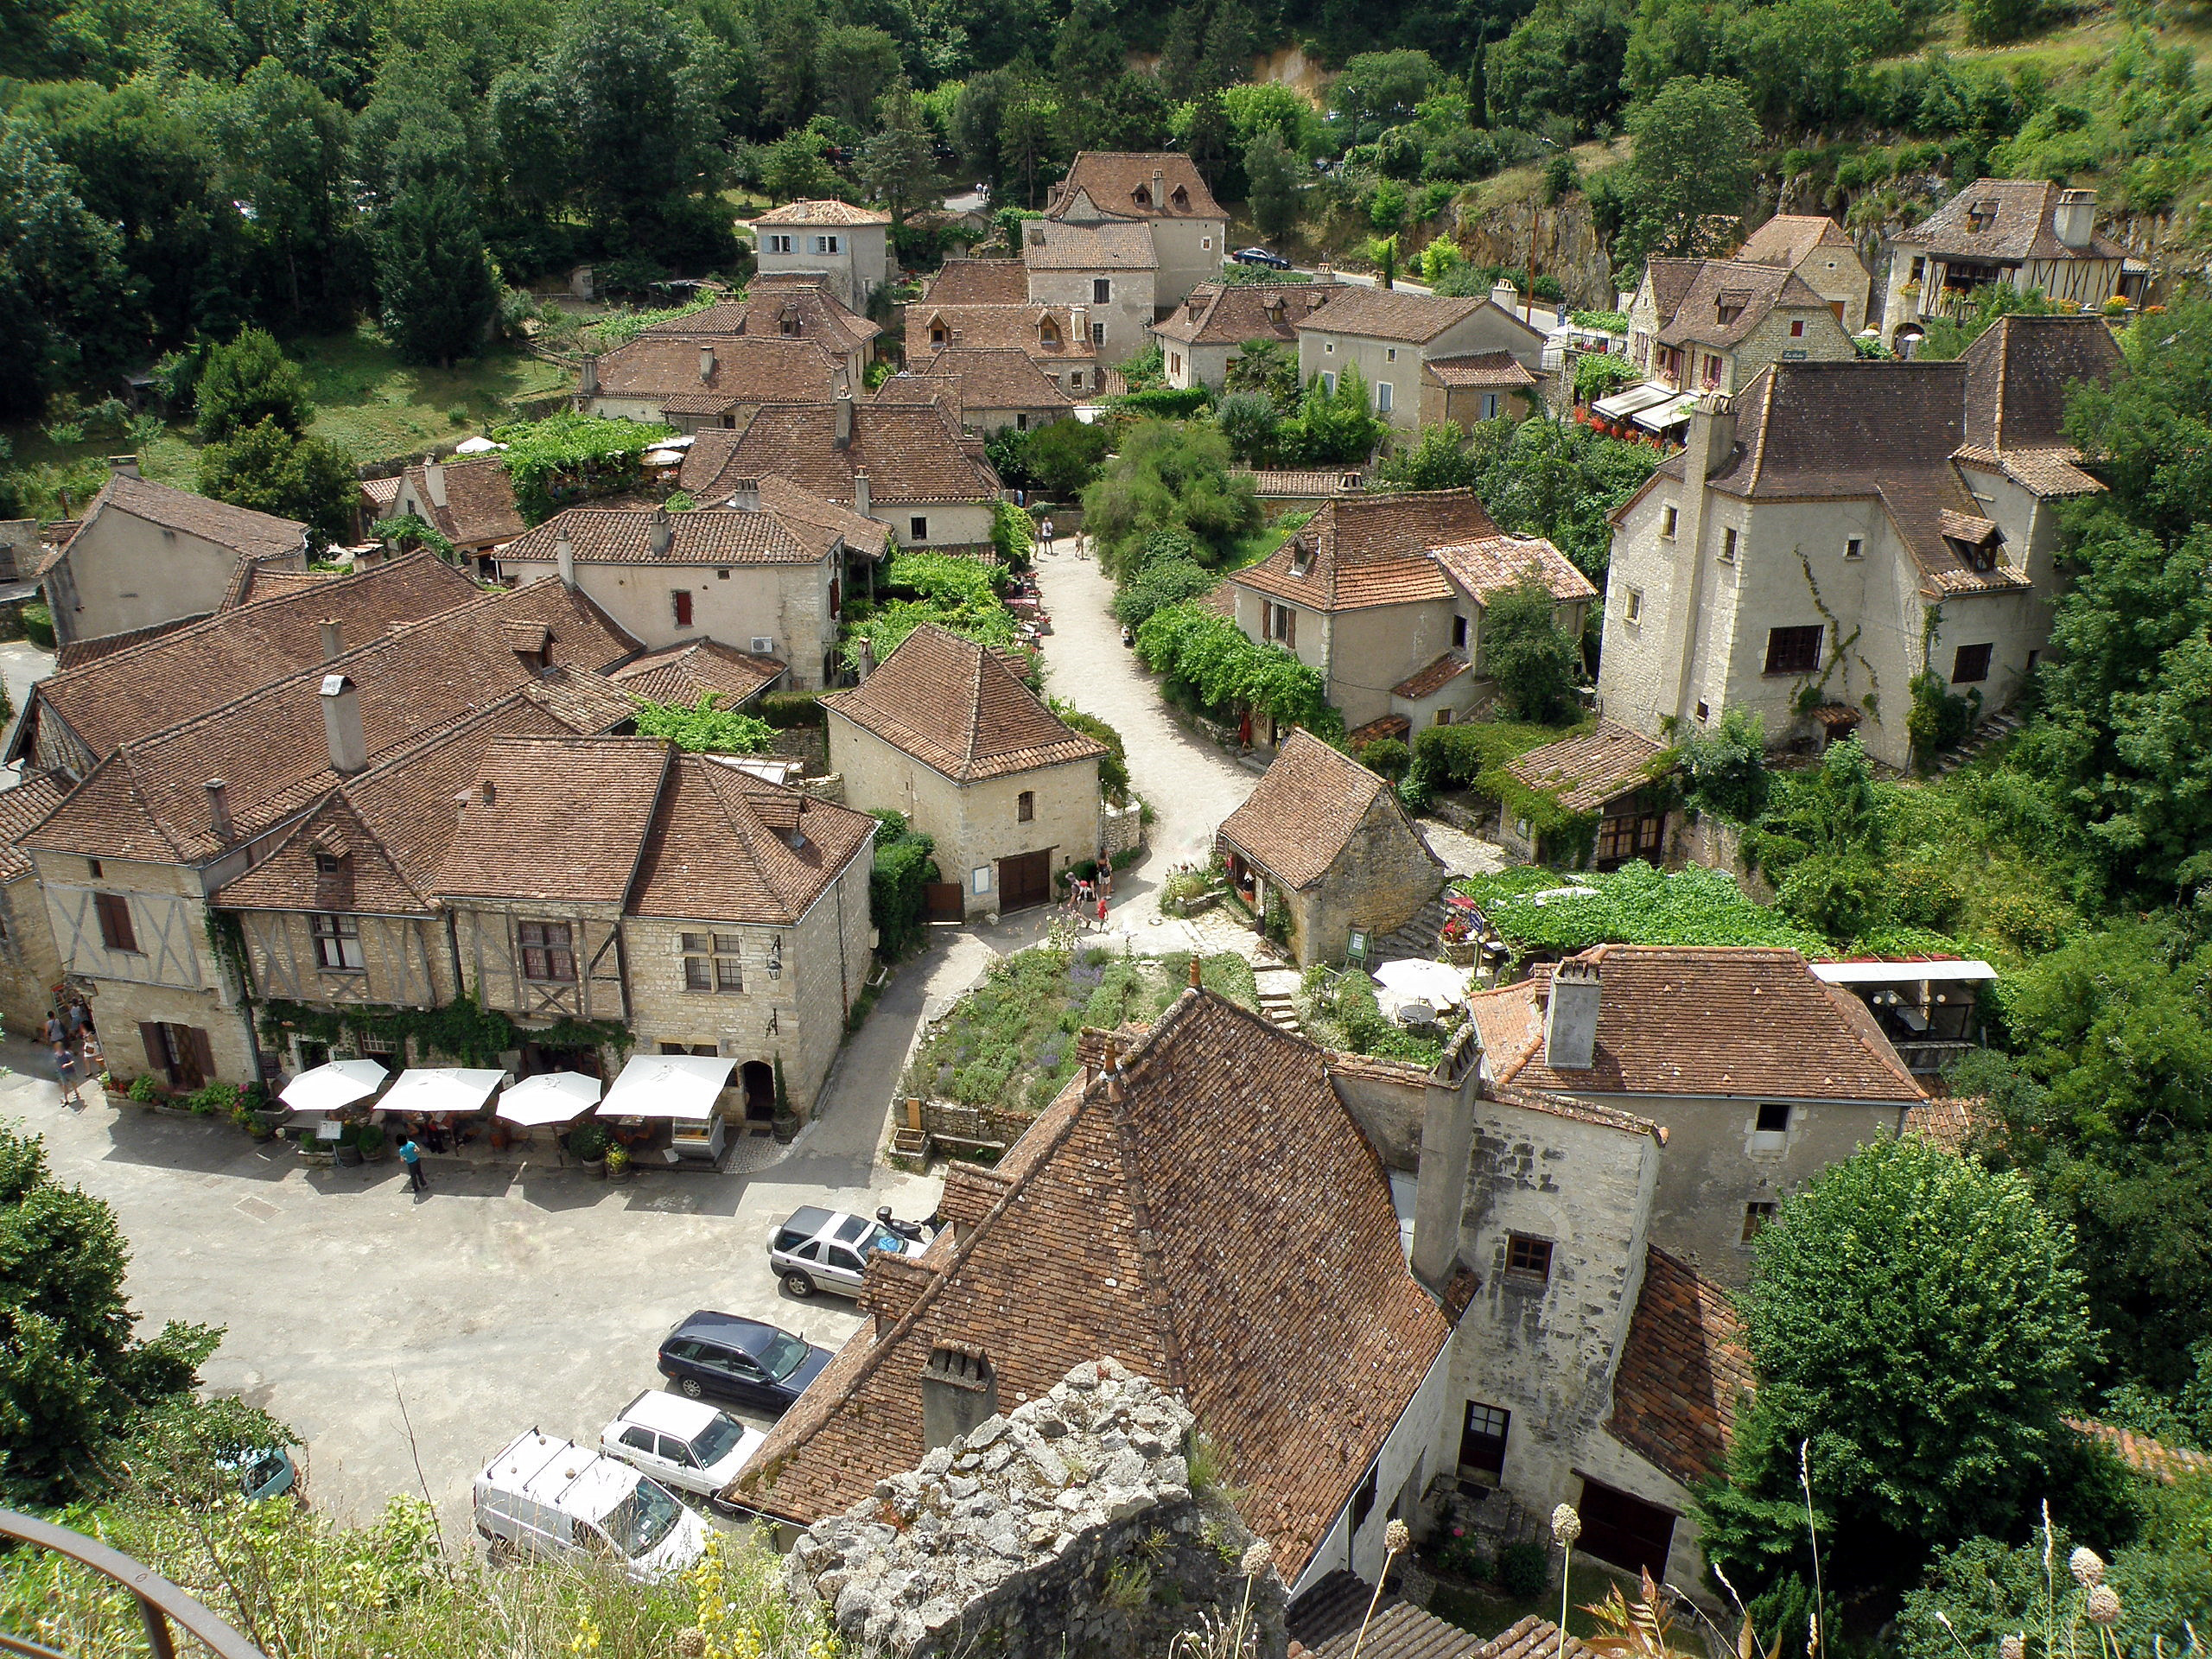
x: 1566, y: 1526
x: 1256, y: 1559
x: 2013, y: 1647
x: 2086, y: 1567
x: 2104, y: 1606
x: 1397, y: 1537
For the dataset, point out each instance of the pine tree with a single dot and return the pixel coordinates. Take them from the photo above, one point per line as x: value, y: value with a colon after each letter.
x: 434, y: 280
x: 899, y: 166
x: 247, y: 381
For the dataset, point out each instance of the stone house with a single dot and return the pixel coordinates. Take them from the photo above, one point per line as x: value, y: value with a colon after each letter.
x: 2025, y: 233
x: 29, y: 966
x: 1109, y: 269
x: 1478, y: 386
x: 1389, y: 335
x: 848, y: 248
x: 1620, y: 777
x: 1762, y: 1075
x: 996, y: 386
x: 793, y: 305
x: 1055, y: 338
x: 696, y: 383
x: 1385, y: 594
x: 1158, y: 190
x: 767, y: 576
x: 1853, y: 525
x: 1326, y: 841
x: 1215, y: 321
x: 1713, y: 324
x: 1823, y: 256
x: 144, y: 554
x: 945, y: 732
x: 469, y: 502
x: 908, y: 466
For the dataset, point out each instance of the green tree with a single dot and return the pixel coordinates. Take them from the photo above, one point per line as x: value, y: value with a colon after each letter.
x: 794, y: 169
x: 1332, y: 429
x: 72, y: 1375
x: 705, y: 727
x: 270, y: 470
x: 1697, y: 145
x: 247, y: 381
x: 1375, y: 90
x: 434, y: 281
x: 1440, y: 459
x: 1555, y: 479
x: 898, y: 166
x: 281, y: 148
x: 1563, y: 59
x: 1170, y: 475
x: 1064, y: 457
x: 1270, y: 366
x: 1534, y: 660
x: 1918, y: 1326
x: 63, y: 308
x: 1248, y: 420
x: 853, y: 65
x: 1272, y: 184
x: 1724, y: 769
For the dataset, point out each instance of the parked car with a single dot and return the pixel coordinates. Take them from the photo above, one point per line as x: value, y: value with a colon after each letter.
x: 685, y: 1444
x: 1261, y: 256
x: 739, y: 1359
x: 262, y: 1471
x: 827, y: 1249
x: 564, y: 1501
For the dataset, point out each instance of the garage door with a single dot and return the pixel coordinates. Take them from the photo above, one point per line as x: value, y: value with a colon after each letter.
x: 944, y: 899
x: 1626, y: 1531
x: 1026, y: 880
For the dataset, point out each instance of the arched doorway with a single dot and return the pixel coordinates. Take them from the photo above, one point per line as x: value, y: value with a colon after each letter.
x: 758, y: 1079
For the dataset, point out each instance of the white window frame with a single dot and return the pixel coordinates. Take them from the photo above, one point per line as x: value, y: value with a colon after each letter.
x: 827, y: 244
x: 1328, y: 383
x: 779, y: 242
x: 339, y: 936
x: 1854, y: 547
x: 1097, y: 334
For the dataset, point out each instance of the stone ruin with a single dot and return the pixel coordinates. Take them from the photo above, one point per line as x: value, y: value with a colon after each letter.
x: 1066, y: 1528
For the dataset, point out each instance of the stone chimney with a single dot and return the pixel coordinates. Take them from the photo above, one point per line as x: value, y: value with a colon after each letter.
x: 843, y: 437
x: 959, y: 1390
x: 1158, y: 188
x: 706, y: 364
x: 433, y: 482
x: 1503, y: 295
x: 1571, y: 1017
x: 587, y: 375
x: 862, y: 499
x: 219, y: 810
x: 1447, y: 1135
x: 744, y: 495
x: 333, y: 637
x: 341, y: 725
x: 2074, y: 219
x: 661, y: 531
x: 123, y: 466
x: 564, y: 563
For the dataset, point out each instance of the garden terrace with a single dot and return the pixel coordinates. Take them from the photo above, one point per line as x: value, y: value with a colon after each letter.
x: 1542, y: 913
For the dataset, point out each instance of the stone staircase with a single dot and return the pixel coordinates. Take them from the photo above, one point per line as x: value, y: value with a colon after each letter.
x: 1278, y: 991
x: 1418, y: 936
x: 1995, y: 729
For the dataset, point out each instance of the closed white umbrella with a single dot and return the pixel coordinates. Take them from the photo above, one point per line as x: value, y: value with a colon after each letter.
x: 325, y: 1088
x: 667, y: 1085
x: 1437, y: 984
x: 442, y: 1089
x: 549, y: 1097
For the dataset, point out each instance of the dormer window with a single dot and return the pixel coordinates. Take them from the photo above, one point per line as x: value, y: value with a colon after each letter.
x: 329, y: 864
x: 1981, y: 216
x: 1301, y: 558
x: 1142, y: 196
x: 937, y: 333
x: 1181, y: 198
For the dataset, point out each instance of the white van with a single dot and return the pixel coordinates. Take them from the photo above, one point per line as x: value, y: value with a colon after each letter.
x: 565, y: 1501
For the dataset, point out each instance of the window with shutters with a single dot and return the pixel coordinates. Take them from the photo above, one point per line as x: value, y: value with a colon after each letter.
x: 338, y: 944
x: 116, y: 932
x: 1794, y: 651
x: 680, y: 600
x: 1025, y: 807
x: 918, y: 528
x: 779, y: 243
x: 1102, y: 291
x: 548, y: 954
x: 1971, y: 666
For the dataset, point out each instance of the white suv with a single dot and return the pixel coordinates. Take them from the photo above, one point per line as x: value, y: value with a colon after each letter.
x: 683, y: 1444
x: 828, y: 1249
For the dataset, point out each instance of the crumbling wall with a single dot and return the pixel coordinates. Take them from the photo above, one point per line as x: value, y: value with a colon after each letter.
x: 1067, y: 1528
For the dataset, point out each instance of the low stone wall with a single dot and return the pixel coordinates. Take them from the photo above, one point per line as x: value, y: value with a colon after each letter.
x: 1065, y: 1530
x: 948, y: 1120
x: 1121, y: 829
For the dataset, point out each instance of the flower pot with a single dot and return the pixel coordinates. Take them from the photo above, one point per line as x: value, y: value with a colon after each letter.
x: 348, y: 1156
x: 785, y: 1129
x: 596, y: 1168
x: 621, y: 1174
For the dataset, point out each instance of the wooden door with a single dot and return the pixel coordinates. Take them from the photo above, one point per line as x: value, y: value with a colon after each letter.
x: 1025, y: 881
x: 943, y: 900
x: 1626, y: 1531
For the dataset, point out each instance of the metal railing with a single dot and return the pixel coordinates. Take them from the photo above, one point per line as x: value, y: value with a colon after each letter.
x: 161, y: 1603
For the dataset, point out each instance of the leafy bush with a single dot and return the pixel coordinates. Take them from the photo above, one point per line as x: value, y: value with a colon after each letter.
x: 571, y: 458
x: 897, y: 906
x: 1600, y: 374
x: 706, y: 727
x: 1114, y: 767
x: 1724, y: 768
x: 1163, y: 403
x: 1634, y: 905
x: 38, y: 625
x: 1014, y: 534
x: 1168, y: 476
x: 1162, y: 582
x: 786, y: 710
x: 1939, y: 717
x: 1521, y: 1570
x: 1535, y: 663
x: 1227, y: 670
x: 1386, y: 757
x: 957, y: 593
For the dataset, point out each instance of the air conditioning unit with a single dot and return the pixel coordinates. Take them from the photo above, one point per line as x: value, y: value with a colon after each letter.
x: 763, y: 645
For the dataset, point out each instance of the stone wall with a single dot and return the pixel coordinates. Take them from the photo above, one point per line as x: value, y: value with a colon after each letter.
x: 1064, y: 1529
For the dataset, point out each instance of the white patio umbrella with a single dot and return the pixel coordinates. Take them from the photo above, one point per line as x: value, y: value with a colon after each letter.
x: 1437, y: 984
x: 441, y: 1088
x: 325, y: 1088
x: 549, y: 1097
x: 667, y: 1085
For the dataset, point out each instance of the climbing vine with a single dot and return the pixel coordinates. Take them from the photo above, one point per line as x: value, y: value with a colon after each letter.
x: 1815, y: 692
x: 1939, y: 716
x: 460, y: 1029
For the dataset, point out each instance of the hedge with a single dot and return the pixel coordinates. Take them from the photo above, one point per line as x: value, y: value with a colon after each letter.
x: 1474, y: 757
x: 786, y: 710
x: 1169, y: 403
x: 904, y: 861
x: 1228, y: 670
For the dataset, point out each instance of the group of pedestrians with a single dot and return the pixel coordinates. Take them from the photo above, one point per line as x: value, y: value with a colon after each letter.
x: 1082, y: 895
x: 68, y: 1031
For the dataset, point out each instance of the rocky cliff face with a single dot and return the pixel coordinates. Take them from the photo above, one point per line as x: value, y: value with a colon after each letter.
x: 1565, y: 241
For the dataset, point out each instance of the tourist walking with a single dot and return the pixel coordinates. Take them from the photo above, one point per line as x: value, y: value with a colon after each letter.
x: 1045, y: 531
x: 411, y: 1155
x: 66, y: 1074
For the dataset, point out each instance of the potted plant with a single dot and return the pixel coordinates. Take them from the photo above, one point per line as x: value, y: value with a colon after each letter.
x: 588, y: 1146
x: 1457, y: 941
x: 373, y: 1143
x: 618, y: 1163
x: 146, y: 1089
x: 785, y: 1125
x: 348, y: 1149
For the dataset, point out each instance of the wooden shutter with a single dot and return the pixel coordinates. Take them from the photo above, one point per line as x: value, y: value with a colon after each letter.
x: 116, y: 932
x: 199, y: 1053
x: 1290, y: 627
x: 682, y: 598
x: 157, y: 1046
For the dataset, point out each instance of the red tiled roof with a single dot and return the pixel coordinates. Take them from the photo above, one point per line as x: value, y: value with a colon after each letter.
x: 2142, y: 1453
x: 772, y: 306
x: 2022, y: 225
x: 741, y: 369
x: 479, y: 507
x: 1048, y: 244
x: 1359, y: 551
x: 995, y: 378
x: 1788, y: 239
x: 707, y: 536
x: 1493, y: 565
x: 687, y: 672
x: 1123, y: 182
x: 1432, y: 679
x: 1229, y: 313
x: 1018, y: 325
x: 1950, y: 1120
x: 1395, y: 726
x: 1583, y: 773
x: 23, y: 806
x: 911, y: 452
x: 1250, y: 1259
x: 728, y: 847
x: 565, y: 819
x: 76, y: 653
x: 1478, y: 369
x: 250, y: 534
x: 1747, y: 292
x: 1683, y: 1370
x: 829, y: 212
x: 959, y: 710
x: 1298, y: 822
x: 977, y: 281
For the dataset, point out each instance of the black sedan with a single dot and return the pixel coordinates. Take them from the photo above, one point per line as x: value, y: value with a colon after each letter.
x: 1261, y: 256
x: 739, y: 1359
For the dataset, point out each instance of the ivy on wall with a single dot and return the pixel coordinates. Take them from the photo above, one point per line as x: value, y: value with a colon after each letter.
x: 459, y: 1030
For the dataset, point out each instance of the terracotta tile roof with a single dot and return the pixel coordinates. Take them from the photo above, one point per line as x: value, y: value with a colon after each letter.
x: 684, y: 673
x: 1123, y: 182
x: 1433, y: 678
x: 1020, y: 326
x: 773, y: 307
x: 566, y: 819
x: 1047, y: 244
x: 381, y: 492
x: 148, y: 800
x: 479, y: 507
x: 2142, y: 1453
x: 258, y: 582
x: 1279, y: 484
x: 22, y: 806
x: 1682, y: 1371
x: 257, y: 535
x: 798, y: 506
x: 1479, y: 370
x: 144, y: 688
x: 977, y: 281
x: 996, y: 378
x: 1585, y: 772
x: 2050, y: 473
x: 704, y: 536
x: 912, y: 454
x: 728, y: 847
x: 743, y: 369
x: 906, y: 387
x: 1250, y: 1259
x: 1327, y: 1622
x: 1493, y: 565
x: 1393, y: 313
x: 2021, y: 227
x: 1949, y: 1121
x: 829, y: 212
x: 1532, y: 1638
x: 1359, y: 551
x: 1298, y: 822
x: 1229, y: 313
x: 1395, y: 726
x: 1787, y: 239
x: 1750, y: 292
x: 1701, y: 1020
x: 389, y: 828
x: 959, y: 710
x: 76, y: 653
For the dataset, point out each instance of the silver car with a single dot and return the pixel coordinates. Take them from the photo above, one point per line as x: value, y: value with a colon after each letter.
x: 683, y: 1444
x: 828, y: 1249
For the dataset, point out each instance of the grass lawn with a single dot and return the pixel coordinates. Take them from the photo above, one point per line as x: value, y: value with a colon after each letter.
x: 375, y: 407
x: 1250, y: 548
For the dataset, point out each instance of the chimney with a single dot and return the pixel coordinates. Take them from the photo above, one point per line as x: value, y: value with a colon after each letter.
x: 1571, y: 1017
x: 744, y: 495
x: 488, y: 792
x: 867, y: 657
x: 587, y: 375
x: 1712, y: 437
x: 1158, y: 188
x: 1503, y: 295
x: 433, y: 482
x: 960, y: 1391
x: 706, y: 363
x: 1447, y: 1135
x: 661, y: 531
x: 1191, y: 308
x: 341, y: 725
x: 844, y: 432
x: 862, y: 499
x: 123, y: 466
x: 2075, y: 217
x: 219, y: 810
x: 564, y: 563
x: 333, y: 637
x: 1079, y: 325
